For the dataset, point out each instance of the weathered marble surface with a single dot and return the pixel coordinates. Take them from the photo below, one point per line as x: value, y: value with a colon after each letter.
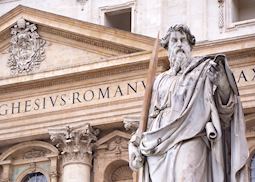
x: 195, y: 119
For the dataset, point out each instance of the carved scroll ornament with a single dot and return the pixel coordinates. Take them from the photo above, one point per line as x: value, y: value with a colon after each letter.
x: 75, y: 144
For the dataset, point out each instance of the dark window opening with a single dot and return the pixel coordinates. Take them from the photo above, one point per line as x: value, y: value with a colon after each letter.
x: 35, y: 177
x: 120, y: 19
x: 243, y: 10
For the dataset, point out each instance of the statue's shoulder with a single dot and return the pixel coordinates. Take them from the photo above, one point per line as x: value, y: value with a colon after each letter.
x: 198, y: 61
x: 201, y: 59
x: 159, y: 77
x: 210, y: 57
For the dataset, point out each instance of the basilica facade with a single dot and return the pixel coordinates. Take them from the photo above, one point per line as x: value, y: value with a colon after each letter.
x: 72, y: 80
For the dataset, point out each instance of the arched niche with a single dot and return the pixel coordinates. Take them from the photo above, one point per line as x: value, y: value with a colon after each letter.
x: 118, y: 171
x: 35, y: 176
x: 111, y: 157
x: 40, y: 148
x: 24, y: 158
x: 31, y: 170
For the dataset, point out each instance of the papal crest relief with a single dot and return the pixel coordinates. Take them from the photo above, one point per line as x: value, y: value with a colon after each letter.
x: 26, y: 49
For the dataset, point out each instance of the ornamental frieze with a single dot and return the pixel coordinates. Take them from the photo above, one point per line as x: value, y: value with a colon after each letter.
x: 26, y: 49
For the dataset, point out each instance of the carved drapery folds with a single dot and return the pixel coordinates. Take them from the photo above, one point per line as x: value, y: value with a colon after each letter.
x: 26, y: 49
x: 76, y: 144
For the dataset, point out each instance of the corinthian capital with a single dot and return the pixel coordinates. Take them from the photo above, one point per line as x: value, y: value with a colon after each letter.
x: 75, y: 143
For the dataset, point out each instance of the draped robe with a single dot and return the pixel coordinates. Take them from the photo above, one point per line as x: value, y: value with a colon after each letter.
x: 175, y: 145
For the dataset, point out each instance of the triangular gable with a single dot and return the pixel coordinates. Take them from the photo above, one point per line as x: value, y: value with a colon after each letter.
x: 104, y: 141
x: 69, y: 44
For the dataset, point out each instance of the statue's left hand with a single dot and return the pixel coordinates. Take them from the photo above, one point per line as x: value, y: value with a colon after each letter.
x: 136, y: 159
x: 217, y: 75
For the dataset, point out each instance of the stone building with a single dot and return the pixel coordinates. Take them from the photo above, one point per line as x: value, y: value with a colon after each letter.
x: 71, y: 91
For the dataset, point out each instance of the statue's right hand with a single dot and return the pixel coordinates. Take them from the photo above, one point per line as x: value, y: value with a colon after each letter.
x: 136, y: 159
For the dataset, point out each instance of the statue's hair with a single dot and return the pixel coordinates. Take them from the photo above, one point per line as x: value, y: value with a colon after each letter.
x: 178, y: 28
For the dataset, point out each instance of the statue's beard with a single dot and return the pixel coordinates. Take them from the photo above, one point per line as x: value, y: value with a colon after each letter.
x: 179, y: 62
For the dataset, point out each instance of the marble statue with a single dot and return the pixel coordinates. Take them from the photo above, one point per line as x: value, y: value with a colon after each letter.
x: 195, y: 130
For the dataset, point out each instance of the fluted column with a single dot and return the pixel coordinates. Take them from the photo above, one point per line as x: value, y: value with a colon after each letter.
x: 76, y: 145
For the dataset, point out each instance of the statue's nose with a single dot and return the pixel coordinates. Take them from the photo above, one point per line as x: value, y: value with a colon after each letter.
x: 179, y: 44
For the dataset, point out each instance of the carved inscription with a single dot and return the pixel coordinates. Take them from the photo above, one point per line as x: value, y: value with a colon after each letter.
x: 71, y: 98
x: 245, y: 76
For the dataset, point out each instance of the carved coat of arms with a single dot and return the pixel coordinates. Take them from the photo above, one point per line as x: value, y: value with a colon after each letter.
x: 27, y: 48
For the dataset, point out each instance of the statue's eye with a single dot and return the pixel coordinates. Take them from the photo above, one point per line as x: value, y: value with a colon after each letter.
x: 183, y: 39
x: 174, y: 40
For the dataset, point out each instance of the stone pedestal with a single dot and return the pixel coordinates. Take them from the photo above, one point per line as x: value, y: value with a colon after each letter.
x: 76, y: 146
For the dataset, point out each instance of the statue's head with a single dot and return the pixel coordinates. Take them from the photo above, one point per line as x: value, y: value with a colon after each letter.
x: 178, y: 42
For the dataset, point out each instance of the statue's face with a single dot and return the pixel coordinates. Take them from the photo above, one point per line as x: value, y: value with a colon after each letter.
x: 178, y: 47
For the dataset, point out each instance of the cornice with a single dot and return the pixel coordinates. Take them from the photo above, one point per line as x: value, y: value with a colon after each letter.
x: 108, y: 67
x: 90, y: 40
x: 50, y: 120
x: 228, y: 46
x: 47, y: 19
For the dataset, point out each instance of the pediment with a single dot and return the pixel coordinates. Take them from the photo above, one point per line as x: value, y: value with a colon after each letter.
x: 113, y: 139
x: 69, y: 43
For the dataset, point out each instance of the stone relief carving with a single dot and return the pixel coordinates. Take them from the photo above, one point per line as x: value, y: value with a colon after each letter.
x: 123, y: 173
x: 114, y: 144
x: 75, y: 144
x: 221, y: 14
x: 34, y: 154
x: 118, y: 145
x: 26, y: 49
x: 131, y: 123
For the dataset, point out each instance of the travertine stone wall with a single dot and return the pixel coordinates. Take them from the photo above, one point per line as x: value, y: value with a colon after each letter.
x: 209, y: 20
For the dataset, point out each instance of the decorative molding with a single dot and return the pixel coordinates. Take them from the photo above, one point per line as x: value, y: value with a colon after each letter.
x: 33, y: 168
x: 34, y: 154
x: 76, y: 78
x: 4, y: 156
x: 4, y: 35
x: 230, y: 24
x: 119, y: 7
x: 122, y: 173
x: 118, y: 145
x: 26, y: 49
x: 91, y: 41
x: 221, y: 15
x: 131, y: 123
x: 7, y: 1
x: 82, y: 3
x: 115, y: 143
x: 76, y: 144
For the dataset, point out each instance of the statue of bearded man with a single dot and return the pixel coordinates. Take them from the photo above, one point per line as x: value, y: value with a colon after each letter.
x: 196, y: 130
